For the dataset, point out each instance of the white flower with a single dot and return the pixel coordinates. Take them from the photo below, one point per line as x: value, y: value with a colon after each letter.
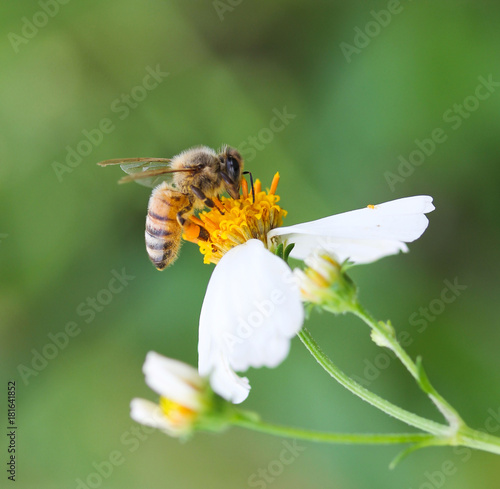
x: 181, y: 391
x: 361, y: 236
x: 252, y: 307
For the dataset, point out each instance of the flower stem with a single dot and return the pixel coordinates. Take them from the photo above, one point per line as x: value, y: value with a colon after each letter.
x: 477, y: 439
x: 443, y: 435
x: 389, y: 340
x: 318, y: 436
x: 399, y: 413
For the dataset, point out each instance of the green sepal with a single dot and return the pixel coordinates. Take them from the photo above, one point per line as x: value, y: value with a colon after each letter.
x: 279, y: 250
x: 346, y: 264
x: 287, y: 252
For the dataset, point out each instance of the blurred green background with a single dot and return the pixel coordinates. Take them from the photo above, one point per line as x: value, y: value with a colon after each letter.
x: 360, y: 103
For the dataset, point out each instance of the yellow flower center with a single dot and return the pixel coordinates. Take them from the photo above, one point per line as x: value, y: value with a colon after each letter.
x: 233, y: 222
x: 180, y: 416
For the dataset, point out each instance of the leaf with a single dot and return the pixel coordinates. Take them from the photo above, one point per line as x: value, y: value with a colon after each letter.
x: 407, y: 451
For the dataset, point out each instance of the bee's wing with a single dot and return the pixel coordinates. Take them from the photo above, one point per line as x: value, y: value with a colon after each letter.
x: 149, y: 172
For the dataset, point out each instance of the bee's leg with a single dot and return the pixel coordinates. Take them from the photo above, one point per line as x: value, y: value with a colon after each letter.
x: 200, y: 195
x: 206, y: 200
x: 193, y: 232
x: 180, y: 215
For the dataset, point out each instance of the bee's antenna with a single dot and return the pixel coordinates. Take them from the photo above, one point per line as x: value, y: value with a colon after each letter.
x: 251, y: 183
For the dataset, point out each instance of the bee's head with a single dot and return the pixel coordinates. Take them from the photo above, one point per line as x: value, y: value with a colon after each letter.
x: 231, y: 172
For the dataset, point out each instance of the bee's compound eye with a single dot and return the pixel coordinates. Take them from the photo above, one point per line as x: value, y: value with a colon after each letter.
x: 233, y: 168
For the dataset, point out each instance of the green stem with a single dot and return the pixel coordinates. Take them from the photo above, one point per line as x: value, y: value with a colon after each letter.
x: 444, y: 435
x: 407, y: 417
x: 318, y: 436
x: 444, y: 406
x: 477, y: 439
x: 394, y: 344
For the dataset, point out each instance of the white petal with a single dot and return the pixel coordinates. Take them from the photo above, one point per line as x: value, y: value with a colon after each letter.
x: 251, y: 311
x: 182, y: 370
x: 227, y: 384
x: 363, y: 235
x: 173, y: 379
x: 150, y: 414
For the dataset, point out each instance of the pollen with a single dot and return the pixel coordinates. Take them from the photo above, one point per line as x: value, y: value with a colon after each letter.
x: 177, y: 414
x: 239, y: 220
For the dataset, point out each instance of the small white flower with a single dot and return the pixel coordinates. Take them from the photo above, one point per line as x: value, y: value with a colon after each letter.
x: 360, y: 236
x: 181, y: 391
x: 252, y: 307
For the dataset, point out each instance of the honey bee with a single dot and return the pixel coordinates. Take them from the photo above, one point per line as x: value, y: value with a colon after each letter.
x: 197, y: 177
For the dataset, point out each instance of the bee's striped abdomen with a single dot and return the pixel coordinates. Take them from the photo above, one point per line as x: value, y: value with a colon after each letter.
x: 163, y: 231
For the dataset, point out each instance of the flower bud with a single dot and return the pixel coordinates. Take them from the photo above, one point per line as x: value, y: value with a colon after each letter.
x: 324, y: 282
